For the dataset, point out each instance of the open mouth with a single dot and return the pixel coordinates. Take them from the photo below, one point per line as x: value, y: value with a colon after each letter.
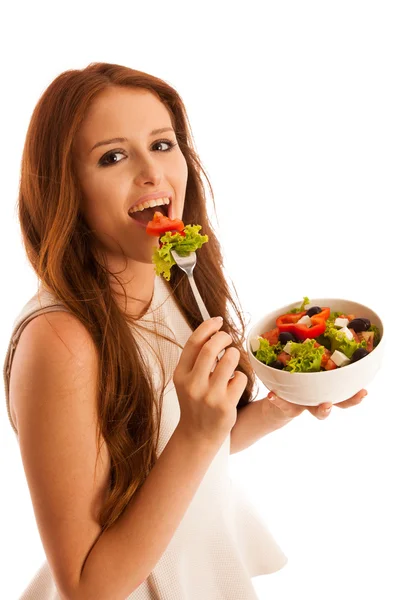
x: 146, y: 215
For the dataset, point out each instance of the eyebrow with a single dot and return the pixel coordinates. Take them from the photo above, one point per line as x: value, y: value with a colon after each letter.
x: 122, y: 139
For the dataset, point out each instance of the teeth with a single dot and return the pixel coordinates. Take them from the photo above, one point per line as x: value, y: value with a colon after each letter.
x: 158, y: 202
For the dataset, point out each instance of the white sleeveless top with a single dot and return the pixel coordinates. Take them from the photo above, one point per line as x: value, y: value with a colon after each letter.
x: 221, y: 541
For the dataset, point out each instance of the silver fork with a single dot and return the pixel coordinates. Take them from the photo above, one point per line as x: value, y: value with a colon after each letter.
x: 187, y: 264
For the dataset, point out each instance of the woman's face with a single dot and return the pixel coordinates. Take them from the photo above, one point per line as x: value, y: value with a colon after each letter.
x: 114, y: 176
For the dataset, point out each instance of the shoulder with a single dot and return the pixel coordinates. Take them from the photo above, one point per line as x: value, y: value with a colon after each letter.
x: 58, y: 331
x: 54, y: 351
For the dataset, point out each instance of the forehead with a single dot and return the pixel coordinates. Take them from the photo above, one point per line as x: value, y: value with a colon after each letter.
x: 122, y: 112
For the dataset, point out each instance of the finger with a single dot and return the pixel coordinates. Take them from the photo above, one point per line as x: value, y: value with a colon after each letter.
x: 322, y: 411
x: 224, y: 368
x: 237, y: 385
x: 354, y: 400
x: 209, y: 352
x: 196, y: 342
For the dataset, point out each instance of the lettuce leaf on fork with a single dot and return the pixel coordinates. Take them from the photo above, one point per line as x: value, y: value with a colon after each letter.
x: 162, y: 257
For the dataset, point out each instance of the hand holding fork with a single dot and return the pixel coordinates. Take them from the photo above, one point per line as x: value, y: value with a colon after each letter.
x: 187, y: 264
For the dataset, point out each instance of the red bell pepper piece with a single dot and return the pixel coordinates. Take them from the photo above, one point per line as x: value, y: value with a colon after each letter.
x: 289, y: 319
x: 302, y: 332
x: 160, y: 224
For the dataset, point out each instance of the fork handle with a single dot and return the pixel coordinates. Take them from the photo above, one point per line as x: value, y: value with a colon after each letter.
x: 205, y: 314
x: 202, y: 307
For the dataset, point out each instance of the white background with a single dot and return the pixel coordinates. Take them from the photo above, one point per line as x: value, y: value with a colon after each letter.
x: 294, y: 107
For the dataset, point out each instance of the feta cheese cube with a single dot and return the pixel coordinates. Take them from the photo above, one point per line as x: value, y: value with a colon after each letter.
x: 305, y: 321
x: 255, y: 344
x: 340, y: 359
x: 347, y: 333
x: 339, y: 322
x: 287, y: 347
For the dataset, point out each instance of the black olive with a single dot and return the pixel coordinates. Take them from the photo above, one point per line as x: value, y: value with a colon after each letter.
x: 359, y: 324
x: 285, y: 337
x: 276, y: 364
x: 314, y: 310
x: 358, y: 354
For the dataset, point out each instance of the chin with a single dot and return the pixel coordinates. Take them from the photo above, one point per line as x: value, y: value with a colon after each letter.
x: 142, y: 257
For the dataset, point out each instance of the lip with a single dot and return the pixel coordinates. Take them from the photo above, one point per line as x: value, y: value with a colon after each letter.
x: 153, y: 196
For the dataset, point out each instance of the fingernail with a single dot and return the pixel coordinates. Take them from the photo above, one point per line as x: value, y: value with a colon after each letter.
x: 365, y: 394
x: 271, y: 397
x: 218, y: 319
x: 326, y: 411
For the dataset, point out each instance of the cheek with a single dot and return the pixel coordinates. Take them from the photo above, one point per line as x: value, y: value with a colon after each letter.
x: 182, y: 172
x: 97, y: 207
x: 103, y: 194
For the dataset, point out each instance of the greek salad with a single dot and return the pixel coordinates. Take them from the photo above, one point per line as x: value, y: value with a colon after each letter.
x: 172, y: 234
x: 315, y: 339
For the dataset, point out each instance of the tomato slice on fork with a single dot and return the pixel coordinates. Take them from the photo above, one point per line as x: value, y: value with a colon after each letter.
x: 161, y: 224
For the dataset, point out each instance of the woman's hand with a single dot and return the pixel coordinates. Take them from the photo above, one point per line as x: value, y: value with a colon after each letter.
x: 208, y: 401
x: 285, y: 411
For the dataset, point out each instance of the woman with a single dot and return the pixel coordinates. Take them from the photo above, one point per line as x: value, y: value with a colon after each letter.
x: 124, y: 434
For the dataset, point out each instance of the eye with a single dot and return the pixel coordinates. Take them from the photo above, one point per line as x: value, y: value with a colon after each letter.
x: 104, y: 159
x: 168, y: 142
x: 103, y: 162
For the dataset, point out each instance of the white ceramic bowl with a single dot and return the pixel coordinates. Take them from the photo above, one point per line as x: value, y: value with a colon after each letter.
x: 311, y: 389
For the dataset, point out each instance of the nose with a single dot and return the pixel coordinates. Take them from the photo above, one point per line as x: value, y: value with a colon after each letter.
x: 148, y: 172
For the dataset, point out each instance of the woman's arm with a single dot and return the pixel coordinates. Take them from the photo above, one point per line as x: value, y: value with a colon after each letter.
x: 125, y: 554
x: 258, y: 418
x: 54, y: 397
x: 255, y: 420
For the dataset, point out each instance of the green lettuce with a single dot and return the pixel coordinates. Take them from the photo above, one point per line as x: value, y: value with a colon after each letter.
x: 267, y: 353
x: 305, y: 357
x: 323, y: 341
x: 340, y: 342
x: 333, y: 316
x: 377, y: 334
x: 302, y: 307
x: 162, y: 257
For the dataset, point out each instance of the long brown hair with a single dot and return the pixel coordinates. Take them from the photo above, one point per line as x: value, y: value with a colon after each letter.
x: 60, y: 248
